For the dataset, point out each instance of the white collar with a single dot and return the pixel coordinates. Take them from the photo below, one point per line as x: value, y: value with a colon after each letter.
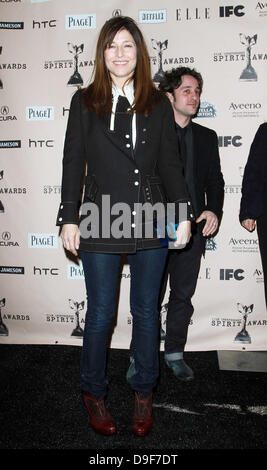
x: 128, y: 92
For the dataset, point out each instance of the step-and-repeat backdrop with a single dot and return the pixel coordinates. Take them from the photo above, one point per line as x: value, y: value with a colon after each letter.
x: 46, y: 51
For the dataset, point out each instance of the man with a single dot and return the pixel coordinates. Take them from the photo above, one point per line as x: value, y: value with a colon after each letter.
x: 253, y: 204
x: 199, y: 153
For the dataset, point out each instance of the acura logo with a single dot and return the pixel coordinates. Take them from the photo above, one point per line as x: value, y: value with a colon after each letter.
x: 6, y: 235
x: 4, y: 110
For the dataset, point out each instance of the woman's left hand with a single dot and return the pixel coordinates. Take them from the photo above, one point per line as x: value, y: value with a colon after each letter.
x: 183, y: 234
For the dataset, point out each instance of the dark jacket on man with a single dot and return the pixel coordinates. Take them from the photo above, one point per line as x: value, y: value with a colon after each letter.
x: 254, y: 185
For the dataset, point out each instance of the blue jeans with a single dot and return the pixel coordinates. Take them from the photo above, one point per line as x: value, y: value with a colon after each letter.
x: 101, y: 277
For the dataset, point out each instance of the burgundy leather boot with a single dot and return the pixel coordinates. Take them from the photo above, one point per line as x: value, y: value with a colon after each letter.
x: 142, y: 420
x: 100, y: 418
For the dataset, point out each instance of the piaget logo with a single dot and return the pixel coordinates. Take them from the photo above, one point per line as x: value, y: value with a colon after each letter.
x: 81, y: 21
x: 75, y: 271
x: 42, y: 240
x: 40, y: 113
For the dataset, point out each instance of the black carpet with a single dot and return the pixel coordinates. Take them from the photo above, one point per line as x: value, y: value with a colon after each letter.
x: 41, y: 405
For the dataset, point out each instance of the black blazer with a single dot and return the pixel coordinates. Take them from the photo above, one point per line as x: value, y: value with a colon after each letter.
x: 206, y: 188
x: 254, y: 185
x: 151, y: 172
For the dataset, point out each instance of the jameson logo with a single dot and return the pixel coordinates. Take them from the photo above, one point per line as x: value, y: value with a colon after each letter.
x: 11, y: 270
x: 10, y: 144
x: 11, y: 25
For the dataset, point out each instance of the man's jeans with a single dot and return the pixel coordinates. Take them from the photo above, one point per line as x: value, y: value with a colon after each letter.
x: 101, y: 277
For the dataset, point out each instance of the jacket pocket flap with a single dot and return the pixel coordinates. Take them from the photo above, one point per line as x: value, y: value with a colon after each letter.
x: 91, y: 187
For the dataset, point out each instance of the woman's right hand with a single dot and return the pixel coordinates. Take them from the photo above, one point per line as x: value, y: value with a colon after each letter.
x: 70, y: 235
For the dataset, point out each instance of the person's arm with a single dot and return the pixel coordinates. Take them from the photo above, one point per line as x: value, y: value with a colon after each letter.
x: 214, y: 190
x: 215, y: 182
x: 171, y: 173
x: 252, y: 199
x: 73, y: 168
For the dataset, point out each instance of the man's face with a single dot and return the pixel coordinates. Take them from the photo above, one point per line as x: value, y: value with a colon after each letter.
x: 186, y: 98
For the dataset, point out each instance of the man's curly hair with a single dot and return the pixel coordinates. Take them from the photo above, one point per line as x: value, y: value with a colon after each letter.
x: 172, y: 79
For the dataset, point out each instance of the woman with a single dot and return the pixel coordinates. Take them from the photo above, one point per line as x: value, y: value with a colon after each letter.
x: 123, y: 128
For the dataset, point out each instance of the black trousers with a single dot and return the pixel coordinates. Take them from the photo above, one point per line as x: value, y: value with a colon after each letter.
x: 183, y: 268
x: 262, y: 234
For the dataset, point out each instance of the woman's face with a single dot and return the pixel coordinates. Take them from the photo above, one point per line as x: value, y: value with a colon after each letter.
x: 120, y: 57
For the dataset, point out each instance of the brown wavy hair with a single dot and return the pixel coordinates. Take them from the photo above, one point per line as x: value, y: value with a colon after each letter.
x: 98, y: 95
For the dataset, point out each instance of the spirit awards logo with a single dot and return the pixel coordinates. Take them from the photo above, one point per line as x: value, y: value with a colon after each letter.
x: 249, y: 73
x: 159, y: 61
x: 159, y: 47
x: 77, y: 307
x: 74, y: 62
x: 3, y: 328
x: 243, y: 336
x: 245, y: 56
x: 75, y: 79
x: 2, y: 209
x: 1, y: 83
x: 163, y: 320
